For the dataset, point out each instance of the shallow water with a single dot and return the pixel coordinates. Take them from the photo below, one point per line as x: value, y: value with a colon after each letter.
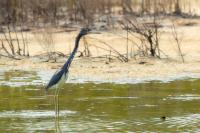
x: 89, y: 107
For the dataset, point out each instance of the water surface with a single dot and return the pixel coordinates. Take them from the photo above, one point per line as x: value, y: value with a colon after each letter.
x: 100, y: 108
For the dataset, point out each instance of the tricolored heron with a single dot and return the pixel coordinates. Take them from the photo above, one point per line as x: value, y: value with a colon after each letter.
x: 61, y: 75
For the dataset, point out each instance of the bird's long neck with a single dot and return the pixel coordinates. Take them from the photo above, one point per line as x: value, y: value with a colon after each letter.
x: 78, y: 38
x: 71, y: 57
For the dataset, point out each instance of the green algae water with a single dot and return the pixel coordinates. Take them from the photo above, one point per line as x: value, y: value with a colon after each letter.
x: 98, y: 108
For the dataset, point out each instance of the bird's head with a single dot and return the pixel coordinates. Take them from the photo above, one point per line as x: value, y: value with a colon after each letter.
x: 84, y: 31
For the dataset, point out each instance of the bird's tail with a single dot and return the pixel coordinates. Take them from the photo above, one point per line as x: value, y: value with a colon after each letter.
x: 47, y: 87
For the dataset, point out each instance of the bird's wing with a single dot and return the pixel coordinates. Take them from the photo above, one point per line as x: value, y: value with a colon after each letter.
x: 67, y: 65
x: 55, y: 78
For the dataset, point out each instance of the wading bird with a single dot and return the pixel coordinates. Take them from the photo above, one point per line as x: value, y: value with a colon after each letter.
x: 61, y: 75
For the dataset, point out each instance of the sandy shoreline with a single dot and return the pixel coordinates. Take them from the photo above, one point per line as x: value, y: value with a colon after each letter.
x: 100, y: 69
x: 90, y: 70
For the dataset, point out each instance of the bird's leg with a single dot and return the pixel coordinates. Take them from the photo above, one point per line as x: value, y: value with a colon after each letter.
x: 58, y: 110
x: 57, y: 102
x: 55, y: 105
x: 58, y: 118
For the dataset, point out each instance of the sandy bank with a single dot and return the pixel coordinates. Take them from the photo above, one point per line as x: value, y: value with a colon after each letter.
x: 100, y: 69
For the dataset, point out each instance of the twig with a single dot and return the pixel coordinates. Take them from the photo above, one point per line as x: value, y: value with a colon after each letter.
x: 10, y: 57
x: 176, y: 38
x: 120, y: 55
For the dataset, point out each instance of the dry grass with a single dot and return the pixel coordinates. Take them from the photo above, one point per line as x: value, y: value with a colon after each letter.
x: 64, y: 42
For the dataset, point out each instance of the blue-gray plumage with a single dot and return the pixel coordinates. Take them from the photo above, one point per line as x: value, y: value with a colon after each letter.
x: 61, y: 75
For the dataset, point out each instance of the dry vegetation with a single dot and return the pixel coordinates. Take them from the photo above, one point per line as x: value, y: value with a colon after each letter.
x: 132, y: 30
x: 20, y: 16
x: 64, y: 12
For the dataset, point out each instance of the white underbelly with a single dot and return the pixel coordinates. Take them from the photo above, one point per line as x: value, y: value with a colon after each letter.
x: 62, y: 80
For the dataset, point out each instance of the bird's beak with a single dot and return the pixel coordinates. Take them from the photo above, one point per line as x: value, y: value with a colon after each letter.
x: 93, y: 32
